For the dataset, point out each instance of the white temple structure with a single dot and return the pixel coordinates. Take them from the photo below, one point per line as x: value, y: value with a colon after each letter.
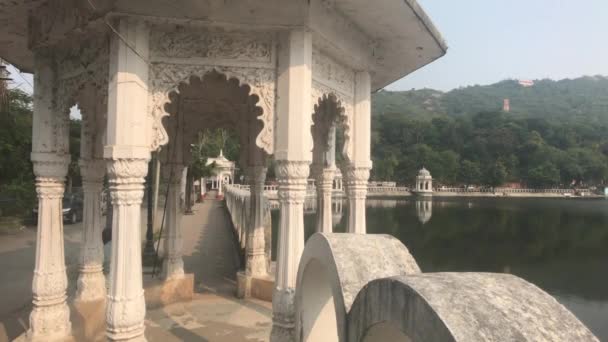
x: 223, y: 172
x: 424, y: 183
x: 152, y: 74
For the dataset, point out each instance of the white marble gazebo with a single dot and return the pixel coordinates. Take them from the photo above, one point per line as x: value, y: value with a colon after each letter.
x: 424, y: 183
x: 223, y: 172
x: 152, y: 74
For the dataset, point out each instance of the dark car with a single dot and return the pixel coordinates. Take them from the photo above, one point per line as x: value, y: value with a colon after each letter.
x: 72, y: 208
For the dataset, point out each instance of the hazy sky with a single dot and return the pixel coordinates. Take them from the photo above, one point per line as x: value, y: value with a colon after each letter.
x: 492, y: 40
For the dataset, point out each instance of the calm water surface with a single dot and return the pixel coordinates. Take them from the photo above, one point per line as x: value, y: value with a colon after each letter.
x: 561, y: 245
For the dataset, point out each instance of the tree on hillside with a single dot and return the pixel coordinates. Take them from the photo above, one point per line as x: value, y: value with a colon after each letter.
x: 470, y: 172
x: 495, y: 174
x: 544, y: 176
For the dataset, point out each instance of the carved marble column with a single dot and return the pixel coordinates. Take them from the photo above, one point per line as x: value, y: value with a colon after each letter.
x: 324, y: 179
x: 293, y: 155
x: 356, y: 190
x: 91, y: 281
x: 173, y: 265
x: 50, y: 316
x: 127, y: 151
x: 126, y: 307
x: 356, y: 172
x: 256, y: 257
x: 292, y: 177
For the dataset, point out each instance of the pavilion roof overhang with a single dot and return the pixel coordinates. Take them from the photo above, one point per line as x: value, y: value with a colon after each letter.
x: 14, y: 32
x: 405, y: 39
x: 398, y: 37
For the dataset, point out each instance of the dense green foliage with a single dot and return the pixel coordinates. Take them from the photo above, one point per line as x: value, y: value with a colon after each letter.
x: 17, y: 191
x: 209, y: 145
x: 555, y: 134
x: 16, y: 174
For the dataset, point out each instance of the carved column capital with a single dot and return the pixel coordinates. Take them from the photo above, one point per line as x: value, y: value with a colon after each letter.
x: 292, y: 177
x: 357, y: 179
x: 127, y: 170
x: 325, y: 177
x: 356, y: 175
x: 295, y: 170
x: 126, y: 177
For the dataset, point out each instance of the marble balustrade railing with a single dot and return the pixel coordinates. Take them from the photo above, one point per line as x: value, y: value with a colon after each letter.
x: 511, y: 190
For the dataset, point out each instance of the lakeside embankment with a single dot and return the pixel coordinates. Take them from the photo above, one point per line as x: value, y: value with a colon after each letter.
x: 377, y: 192
x: 515, y: 195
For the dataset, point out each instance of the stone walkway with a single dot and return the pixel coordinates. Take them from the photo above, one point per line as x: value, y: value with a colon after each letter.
x: 214, y: 314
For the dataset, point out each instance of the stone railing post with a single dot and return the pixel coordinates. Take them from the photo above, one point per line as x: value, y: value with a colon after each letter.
x: 50, y: 316
x: 324, y: 179
x: 91, y: 281
x: 255, y: 247
x: 126, y: 307
x: 356, y: 190
x: 173, y: 264
x: 256, y: 259
x: 292, y: 177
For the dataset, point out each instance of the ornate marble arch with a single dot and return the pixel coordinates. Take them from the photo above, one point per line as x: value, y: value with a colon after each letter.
x: 165, y: 78
x: 248, y: 57
x: 82, y: 79
x: 333, y: 78
x: 83, y: 63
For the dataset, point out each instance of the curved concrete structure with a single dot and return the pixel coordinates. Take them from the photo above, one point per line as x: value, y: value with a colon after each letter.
x: 465, y: 307
x: 333, y: 269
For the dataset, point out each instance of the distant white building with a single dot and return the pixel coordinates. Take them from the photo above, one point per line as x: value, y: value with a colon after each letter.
x: 223, y: 172
x: 424, y: 183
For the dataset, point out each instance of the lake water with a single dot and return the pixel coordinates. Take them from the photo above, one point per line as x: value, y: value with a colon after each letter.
x: 561, y: 245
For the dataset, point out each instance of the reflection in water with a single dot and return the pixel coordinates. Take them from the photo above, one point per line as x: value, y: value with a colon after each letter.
x: 561, y: 245
x: 424, y: 210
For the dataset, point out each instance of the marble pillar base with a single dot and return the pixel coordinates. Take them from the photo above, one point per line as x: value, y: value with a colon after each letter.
x: 174, y: 290
x: 283, y: 315
x: 91, y: 287
x: 50, y: 323
x: 258, y: 287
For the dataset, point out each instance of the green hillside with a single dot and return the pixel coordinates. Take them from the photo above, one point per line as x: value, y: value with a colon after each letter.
x: 582, y: 98
x: 556, y: 134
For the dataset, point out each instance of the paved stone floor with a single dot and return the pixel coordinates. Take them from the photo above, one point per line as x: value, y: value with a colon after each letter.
x: 209, y: 253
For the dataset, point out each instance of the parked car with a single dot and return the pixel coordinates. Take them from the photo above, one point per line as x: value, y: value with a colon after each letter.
x: 71, y: 208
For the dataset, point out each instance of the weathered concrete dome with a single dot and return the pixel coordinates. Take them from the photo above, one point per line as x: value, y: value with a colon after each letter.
x: 424, y: 173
